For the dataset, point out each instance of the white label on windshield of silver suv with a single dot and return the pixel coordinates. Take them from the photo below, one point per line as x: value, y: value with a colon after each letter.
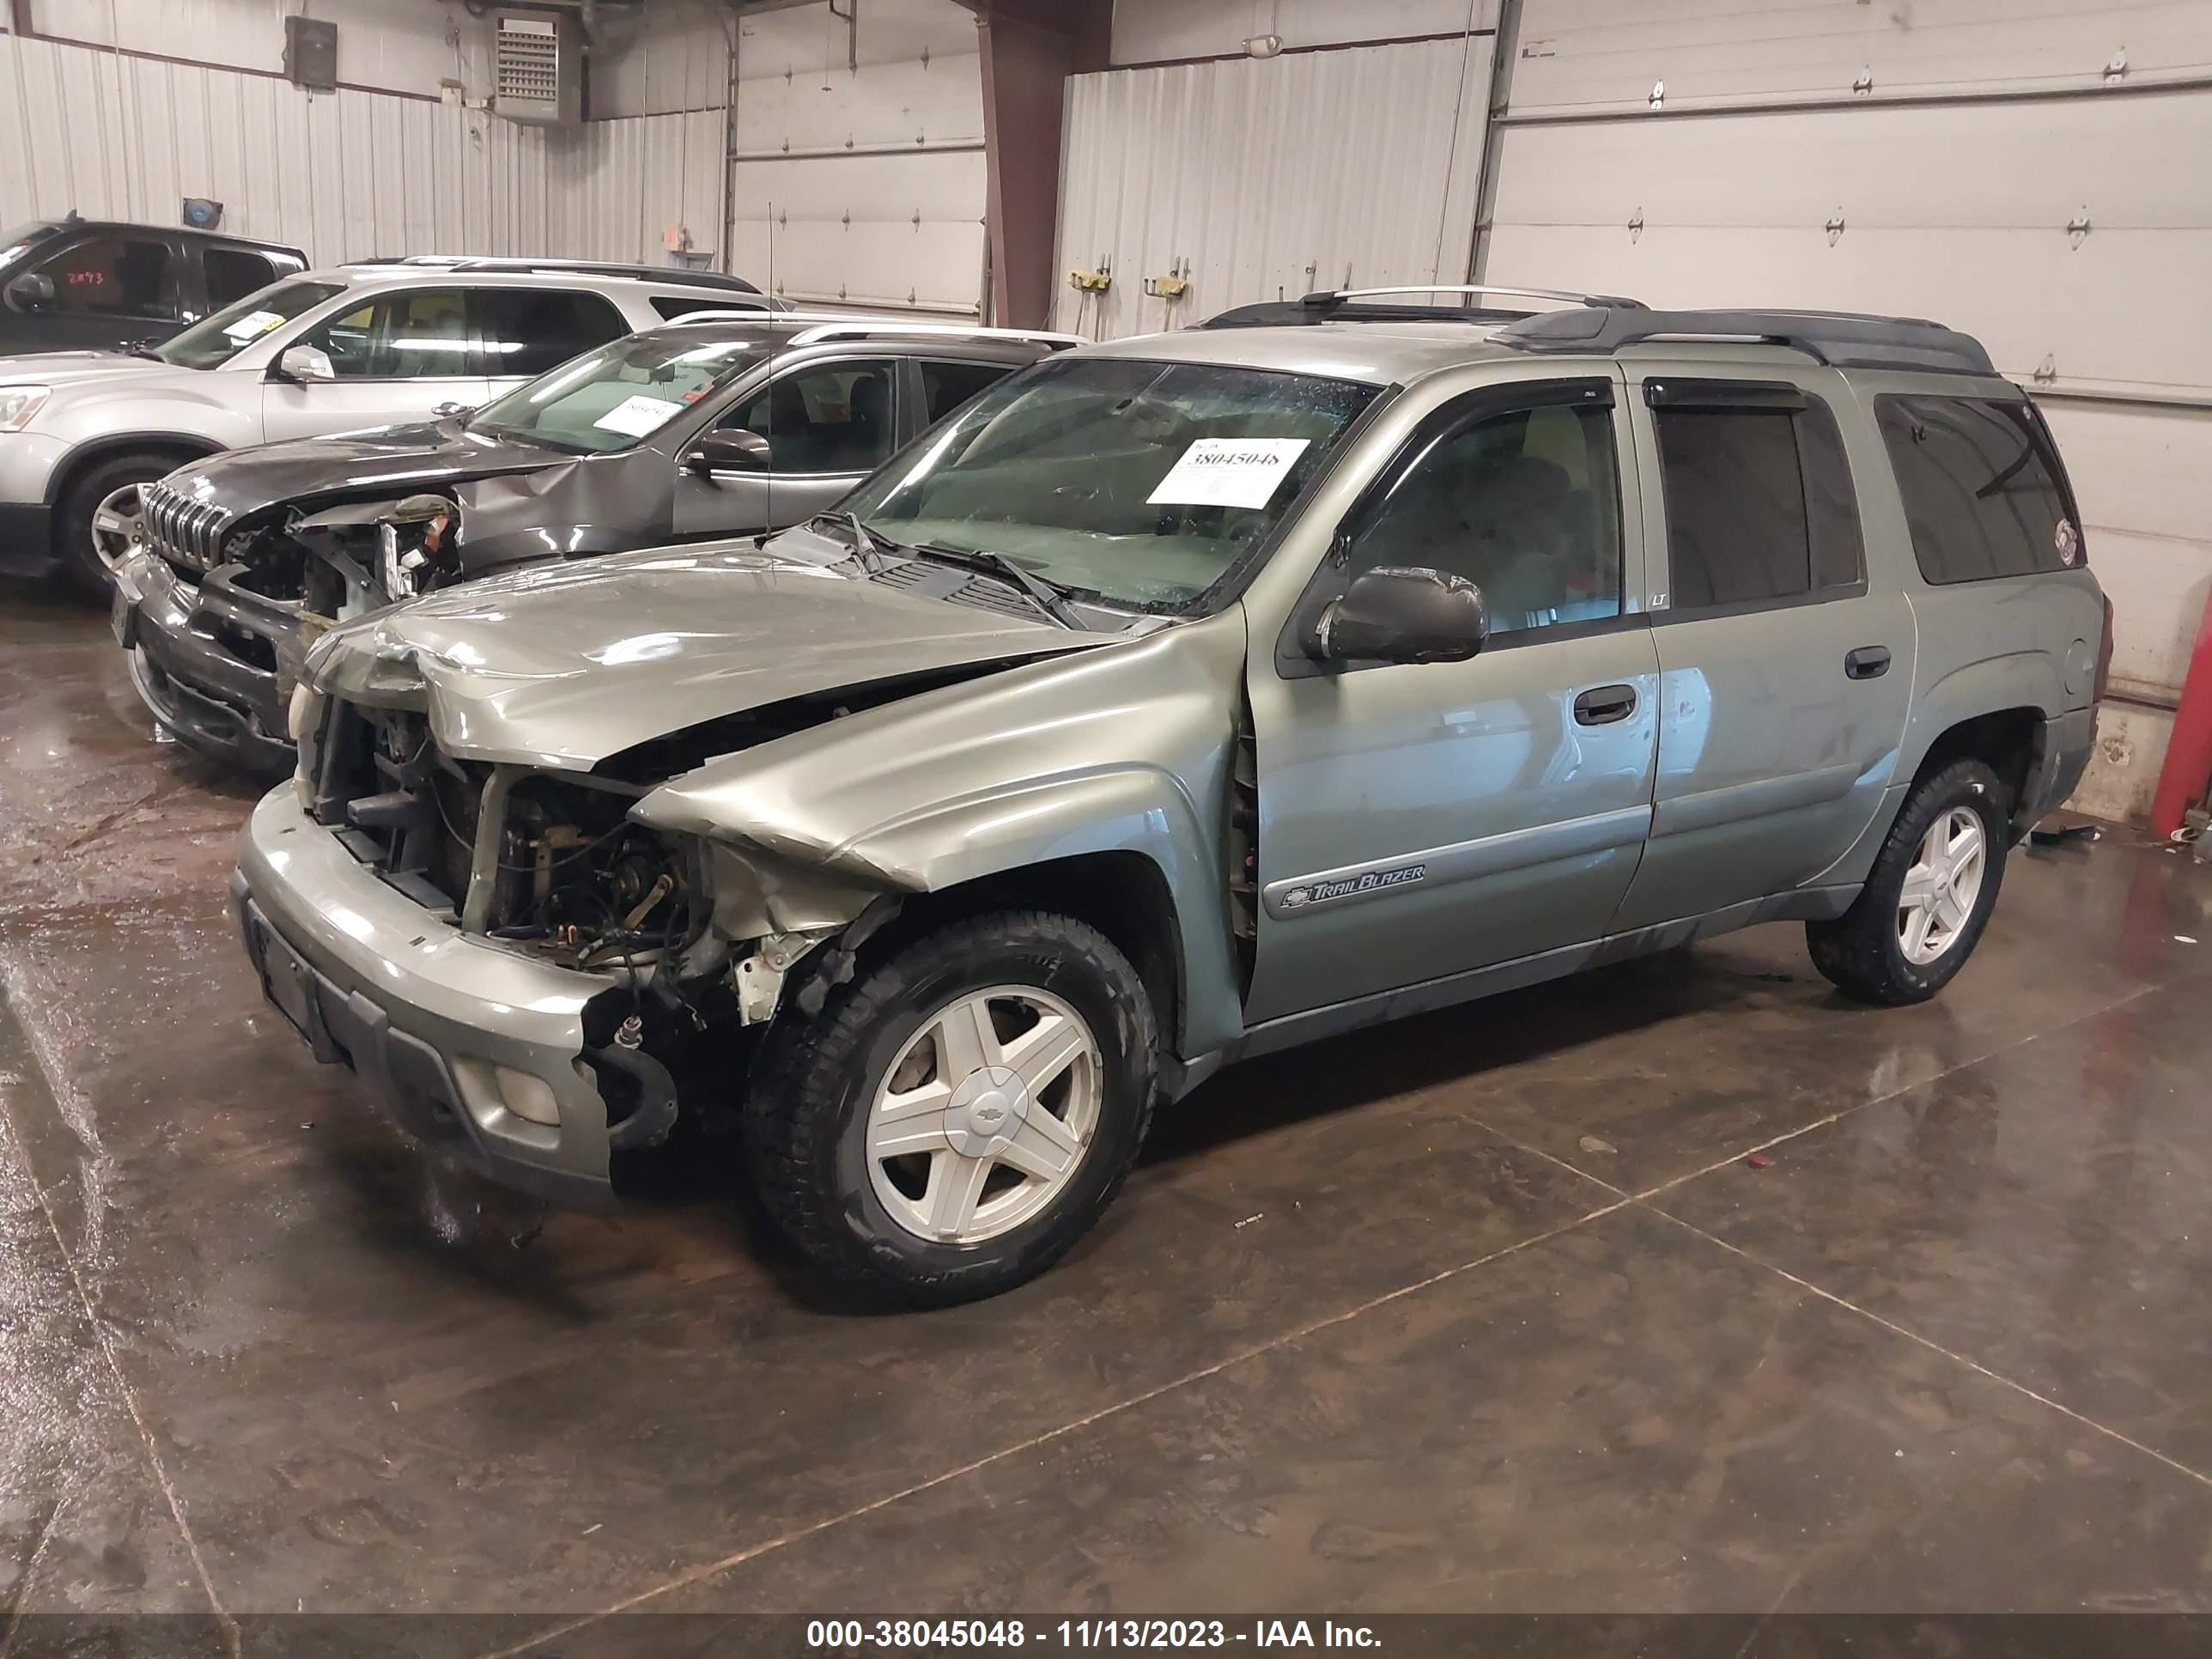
x: 253, y: 325
x: 1228, y: 473
x: 636, y: 417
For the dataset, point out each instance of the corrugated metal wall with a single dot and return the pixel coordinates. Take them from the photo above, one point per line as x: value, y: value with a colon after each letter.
x: 1316, y: 169
x: 1982, y: 132
x: 342, y: 174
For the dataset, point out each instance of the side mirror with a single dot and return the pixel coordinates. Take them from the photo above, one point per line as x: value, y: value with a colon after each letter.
x: 31, y: 292
x: 730, y: 450
x: 304, y: 364
x: 1402, y: 614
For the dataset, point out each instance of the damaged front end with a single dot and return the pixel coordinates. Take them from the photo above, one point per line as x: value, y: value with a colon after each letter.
x: 218, y: 632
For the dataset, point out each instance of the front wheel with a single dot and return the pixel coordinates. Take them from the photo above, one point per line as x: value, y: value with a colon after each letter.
x: 957, y: 1118
x: 1929, y: 896
x: 100, y: 519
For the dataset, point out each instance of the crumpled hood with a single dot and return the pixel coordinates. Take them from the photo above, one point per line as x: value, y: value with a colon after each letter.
x: 393, y: 459
x: 563, y: 665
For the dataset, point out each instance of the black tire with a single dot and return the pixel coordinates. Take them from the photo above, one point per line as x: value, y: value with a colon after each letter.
x: 81, y: 566
x: 806, y: 1117
x: 1860, y: 951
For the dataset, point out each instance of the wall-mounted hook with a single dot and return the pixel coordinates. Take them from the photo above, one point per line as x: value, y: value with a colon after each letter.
x: 2077, y: 227
x: 1636, y: 225
x: 1834, y: 226
x: 1658, y: 98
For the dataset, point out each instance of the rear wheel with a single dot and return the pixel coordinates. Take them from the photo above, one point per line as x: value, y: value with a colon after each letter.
x: 1929, y: 896
x: 102, y: 517
x: 954, y: 1120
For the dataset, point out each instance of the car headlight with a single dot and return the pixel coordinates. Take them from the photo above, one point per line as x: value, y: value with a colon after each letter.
x: 19, y: 402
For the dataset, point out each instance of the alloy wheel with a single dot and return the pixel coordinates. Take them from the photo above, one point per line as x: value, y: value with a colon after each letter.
x: 119, y: 524
x: 984, y: 1116
x: 1937, y: 899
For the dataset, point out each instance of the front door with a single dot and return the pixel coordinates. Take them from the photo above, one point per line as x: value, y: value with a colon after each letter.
x: 828, y: 424
x: 1421, y: 821
x: 398, y: 356
x: 1785, y: 682
x: 111, y: 288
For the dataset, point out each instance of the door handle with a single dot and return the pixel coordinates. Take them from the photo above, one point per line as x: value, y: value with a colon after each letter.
x: 1868, y: 662
x: 1602, y: 705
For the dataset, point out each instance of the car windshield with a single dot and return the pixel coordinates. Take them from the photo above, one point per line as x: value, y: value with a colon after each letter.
x: 619, y: 395
x: 14, y: 244
x: 217, y: 340
x: 1141, y: 484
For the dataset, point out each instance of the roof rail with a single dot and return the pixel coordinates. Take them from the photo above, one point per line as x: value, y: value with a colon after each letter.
x: 1842, y: 339
x: 766, y: 311
x: 674, y: 276
x: 824, y: 326
x: 1359, y: 305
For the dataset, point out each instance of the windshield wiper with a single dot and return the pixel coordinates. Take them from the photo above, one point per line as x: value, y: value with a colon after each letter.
x: 867, y: 538
x: 1047, y: 595
x: 144, y: 351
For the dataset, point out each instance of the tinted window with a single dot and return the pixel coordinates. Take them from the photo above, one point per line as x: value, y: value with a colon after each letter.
x: 1981, y: 487
x: 837, y: 418
x: 1525, y: 504
x: 529, y: 330
x: 673, y: 306
x: 945, y: 386
x: 114, y: 276
x: 231, y: 275
x: 420, y: 333
x: 1759, y: 503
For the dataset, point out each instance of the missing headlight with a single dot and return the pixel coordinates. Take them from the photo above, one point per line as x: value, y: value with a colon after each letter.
x: 415, y: 542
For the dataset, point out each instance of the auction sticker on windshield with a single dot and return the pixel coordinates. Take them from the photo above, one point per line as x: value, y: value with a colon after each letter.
x: 639, y: 416
x: 253, y: 325
x: 1228, y: 473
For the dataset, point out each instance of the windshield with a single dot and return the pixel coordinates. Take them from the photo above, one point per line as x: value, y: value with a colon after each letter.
x: 618, y: 395
x: 1139, y: 482
x: 219, y: 338
x: 14, y: 244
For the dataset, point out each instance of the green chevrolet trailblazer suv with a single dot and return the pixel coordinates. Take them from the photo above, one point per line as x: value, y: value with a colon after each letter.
x: 1179, y: 699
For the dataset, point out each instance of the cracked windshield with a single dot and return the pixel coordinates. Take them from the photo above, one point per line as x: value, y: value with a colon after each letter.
x: 1139, y: 484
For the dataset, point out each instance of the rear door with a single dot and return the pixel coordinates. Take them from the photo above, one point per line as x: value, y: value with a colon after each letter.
x: 1784, y: 681
x: 398, y: 354
x: 829, y: 423
x: 942, y: 384
x: 229, y: 274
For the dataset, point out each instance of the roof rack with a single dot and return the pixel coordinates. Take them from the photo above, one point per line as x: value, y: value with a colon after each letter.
x: 831, y: 326
x: 767, y: 310
x: 1357, y: 304
x: 1841, y: 339
x: 674, y: 276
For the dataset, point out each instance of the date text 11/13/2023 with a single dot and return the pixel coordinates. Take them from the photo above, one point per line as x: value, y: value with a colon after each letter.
x: 936, y: 1634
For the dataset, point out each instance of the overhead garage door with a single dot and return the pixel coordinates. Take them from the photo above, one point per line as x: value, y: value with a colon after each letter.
x: 2024, y: 177
x: 861, y: 186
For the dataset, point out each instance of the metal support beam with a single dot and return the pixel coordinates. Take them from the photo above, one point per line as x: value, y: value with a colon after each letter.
x: 1029, y: 48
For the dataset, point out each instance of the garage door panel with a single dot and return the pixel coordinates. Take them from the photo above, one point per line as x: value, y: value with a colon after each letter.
x: 939, y: 267
x: 936, y: 185
x: 937, y: 103
x: 2104, y: 311
x: 1600, y: 53
x: 2137, y: 162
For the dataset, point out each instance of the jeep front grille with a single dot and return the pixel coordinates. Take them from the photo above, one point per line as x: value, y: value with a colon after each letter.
x: 186, y: 532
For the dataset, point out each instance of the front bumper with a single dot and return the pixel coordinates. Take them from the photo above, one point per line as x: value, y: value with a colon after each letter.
x: 184, y: 644
x: 26, y: 539
x: 435, y: 1024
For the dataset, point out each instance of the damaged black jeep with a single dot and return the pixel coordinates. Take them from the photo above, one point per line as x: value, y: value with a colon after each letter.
x: 716, y: 426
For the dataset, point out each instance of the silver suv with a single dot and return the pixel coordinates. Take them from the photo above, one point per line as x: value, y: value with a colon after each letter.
x: 1179, y: 699
x: 82, y: 433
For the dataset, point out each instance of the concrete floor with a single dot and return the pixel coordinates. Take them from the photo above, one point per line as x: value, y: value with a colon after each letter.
x: 1485, y: 1311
